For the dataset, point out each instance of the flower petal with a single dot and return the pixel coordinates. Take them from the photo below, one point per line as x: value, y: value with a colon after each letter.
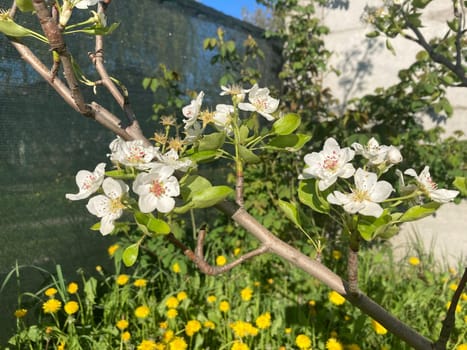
x: 371, y: 209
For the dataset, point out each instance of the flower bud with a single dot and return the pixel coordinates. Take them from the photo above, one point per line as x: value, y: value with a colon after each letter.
x: 393, y: 156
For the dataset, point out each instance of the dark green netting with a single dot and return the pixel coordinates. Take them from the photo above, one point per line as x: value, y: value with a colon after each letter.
x: 43, y: 142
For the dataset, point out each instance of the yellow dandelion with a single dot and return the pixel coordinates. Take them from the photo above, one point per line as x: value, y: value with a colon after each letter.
x: 335, y: 298
x: 142, y: 311
x: 172, y: 302
x: 263, y: 321
x: 147, y: 345
x: 270, y: 280
x: 242, y: 329
x: 192, y: 327
x: 163, y: 325
x: 211, y: 299
x: 168, y: 335
x: 379, y: 329
x: 71, y: 307
x: 178, y: 344
x: 334, y: 344
x: 336, y: 254
x: 238, y: 345
x: 312, y: 303
x: 246, y: 293
x: 122, y: 324
x: 224, y: 306
x: 50, y: 292
x: 237, y: 251
x: 462, y: 346
x: 209, y: 324
x: 99, y: 268
x: 126, y: 336
x: 303, y: 341
x: 352, y: 347
x: 72, y: 288
x: 257, y: 283
x: 464, y: 296
x: 112, y: 249
x: 181, y: 296
x: 61, y: 346
x: 414, y: 261
x: 172, y: 313
x: 176, y: 268
x: 221, y: 260
x: 453, y: 286
x: 122, y: 279
x: 288, y: 330
x: 51, y: 306
x: 140, y: 283
x: 20, y: 313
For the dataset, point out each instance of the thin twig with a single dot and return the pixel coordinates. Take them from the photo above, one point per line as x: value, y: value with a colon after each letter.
x: 448, y: 323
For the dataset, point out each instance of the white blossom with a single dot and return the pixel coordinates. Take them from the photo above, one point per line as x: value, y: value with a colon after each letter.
x: 156, y: 189
x: 133, y: 153
x: 236, y: 91
x: 329, y: 164
x: 192, y: 110
x: 430, y: 188
x: 109, y: 206
x: 366, y: 195
x: 373, y: 151
x: 170, y: 159
x: 84, y: 4
x: 260, y: 102
x: 222, y: 117
x: 88, y: 182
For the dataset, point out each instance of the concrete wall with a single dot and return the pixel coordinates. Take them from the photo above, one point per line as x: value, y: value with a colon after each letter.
x: 366, y: 64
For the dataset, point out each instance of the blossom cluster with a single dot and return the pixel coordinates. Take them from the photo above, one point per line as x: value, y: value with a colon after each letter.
x: 155, y: 182
x: 333, y: 162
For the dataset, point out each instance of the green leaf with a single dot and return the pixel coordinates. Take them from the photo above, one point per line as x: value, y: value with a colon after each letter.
x: 95, y: 30
x: 289, y: 142
x: 205, y: 156
x: 420, y: 3
x: 130, y: 254
x: 287, y: 124
x: 25, y: 5
x: 290, y: 210
x: 248, y: 156
x: 159, y: 227
x: 211, y: 142
x: 368, y: 225
x: 210, y: 196
x: 192, y: 184
x: 461, y: 184
x: 244, y: 131
x: 372, y: 34
x: 419, y: 211
x: 120, y: 174
x: 230, y: 46
x: 390, y: 47
x: 310, y: 195
x: 95, y: 227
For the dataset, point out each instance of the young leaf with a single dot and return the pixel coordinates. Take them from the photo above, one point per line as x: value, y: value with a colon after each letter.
x: 130, y: 254
x: 289, y: 142
x: 212, y: 141
x: 419, y: 211
x: 290, y: 210
x: 461, y: 184
x: 210, y: 196
x: 192, y: 184
x: 368, y: 225
x: 309, y: 194
x: 205, y: 156
x: 287, y: 124
x: 248, y: 156
x: 157, y: 226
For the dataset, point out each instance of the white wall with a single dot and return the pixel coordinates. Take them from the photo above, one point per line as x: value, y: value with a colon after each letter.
x: 366, y: 64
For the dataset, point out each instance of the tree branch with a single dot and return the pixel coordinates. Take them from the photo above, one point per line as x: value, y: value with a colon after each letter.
x: 326, y: 276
